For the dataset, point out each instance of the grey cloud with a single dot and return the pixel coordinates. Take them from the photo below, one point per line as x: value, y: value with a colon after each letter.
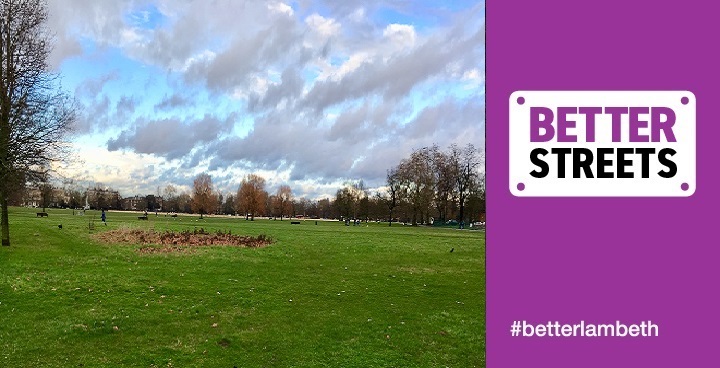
x: 93, y: 113
x: 361, y: 143
x: 395, y: 77
x: 281, y: 138
x: 65, y: 47
x: 360, y: 124
x: 172, y: 102
x: 172, y: 47
x: 290, y: 86
x: 276, y: 43
x: 81, y: 18
x: 170, y: 138
x: 125, y: 106
x: 91, y: 88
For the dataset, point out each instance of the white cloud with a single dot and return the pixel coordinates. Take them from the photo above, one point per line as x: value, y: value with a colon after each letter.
x: 473, y: 77
x: 203, y: 57
x: 325, y: 27
x: 350, y: 65
x: 258, y: 85
x: 281, y: 8
x: 401, y: 34
x: 358, y: 15
x: 117, y: 169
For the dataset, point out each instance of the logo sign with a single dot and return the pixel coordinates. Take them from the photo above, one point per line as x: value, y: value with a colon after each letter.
x: 602, y: 143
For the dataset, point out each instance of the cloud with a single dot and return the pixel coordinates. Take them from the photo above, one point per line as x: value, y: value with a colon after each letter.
x: 65, y: 48
x: 92, y: 115
x: 172, y: 102
x: 313, y: 91
x: 402, y: 34
x: 232, y: 67
x: 92, y: 87
x: 359, y: 143
x: 290, y: 86
x: 169, y: 138
x: 125, y: 106
x: 394, y: 76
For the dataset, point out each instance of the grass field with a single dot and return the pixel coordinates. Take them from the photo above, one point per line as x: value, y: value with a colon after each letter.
x: 324, y: 295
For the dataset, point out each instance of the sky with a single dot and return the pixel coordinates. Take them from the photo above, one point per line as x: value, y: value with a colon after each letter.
x: 311, y: 94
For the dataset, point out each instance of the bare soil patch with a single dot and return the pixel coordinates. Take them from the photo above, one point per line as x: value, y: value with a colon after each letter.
x: 179, y: 242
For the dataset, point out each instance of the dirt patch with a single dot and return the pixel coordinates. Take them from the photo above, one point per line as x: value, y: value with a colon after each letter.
x: 179, y: 242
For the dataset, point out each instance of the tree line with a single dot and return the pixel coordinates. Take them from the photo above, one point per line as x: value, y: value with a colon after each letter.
x: 429, y: 186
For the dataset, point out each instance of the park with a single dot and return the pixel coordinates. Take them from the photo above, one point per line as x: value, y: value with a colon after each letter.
x: 302, y: 185
x: 317, y: 293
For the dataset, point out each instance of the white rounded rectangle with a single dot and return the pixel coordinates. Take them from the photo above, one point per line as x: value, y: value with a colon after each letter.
x: 602, y: 143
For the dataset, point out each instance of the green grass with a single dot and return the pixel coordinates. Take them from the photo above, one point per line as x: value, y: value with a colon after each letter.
x: 324, y: 295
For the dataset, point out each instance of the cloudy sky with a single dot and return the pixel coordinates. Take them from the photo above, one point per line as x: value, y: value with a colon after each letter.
x: 307, y: 93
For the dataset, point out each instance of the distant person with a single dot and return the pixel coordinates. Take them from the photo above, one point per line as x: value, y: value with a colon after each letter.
x: 102, y: 217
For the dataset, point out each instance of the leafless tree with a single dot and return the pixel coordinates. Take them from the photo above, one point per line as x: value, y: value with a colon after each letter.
x: 203, y: 199
x: 324, y: 208
x: 445, y: 183
x: 170, y: 199
x: 418, y: 183
x: 184, y: 203
x: 348, y: 200
x: 465, y: 163
x: 301, y: 207
x: 475, y: 207
x: 46, y: 191
x: 35, y: 114
x: 392, y: 196
x: 251, y: 196
x: 228, y: 207
x: 283, y: 200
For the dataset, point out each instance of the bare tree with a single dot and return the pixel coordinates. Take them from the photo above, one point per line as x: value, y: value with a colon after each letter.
x: 343, y: 203
x: 418, y: 183
x: 184, y: 203
x: 203, y: 200
x: 445, y: 183
x: 392, y: 196
x: 35, y: 115
x: 283, y: 200
x: 270, y: 204
x: 170, y: 199
x: 251, y: 196
x: 218, y: 203
x: 351, y: 201
x: 46, y: 191
x: 298, y: 207
x: 324, y: 208
x: 475, y: 206
x: 465, y: 163
x: 76, y: 198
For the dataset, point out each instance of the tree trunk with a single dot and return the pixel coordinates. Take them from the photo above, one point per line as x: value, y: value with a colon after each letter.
x: 4, y: 221
x: 462, y: 213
